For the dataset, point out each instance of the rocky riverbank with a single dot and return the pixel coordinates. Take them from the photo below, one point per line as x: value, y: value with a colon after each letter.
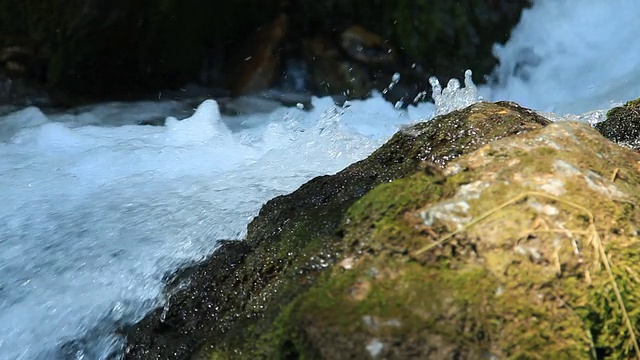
x: 485, y: 233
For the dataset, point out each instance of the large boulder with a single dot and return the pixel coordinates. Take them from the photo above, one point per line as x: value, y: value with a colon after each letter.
x: 511, y: 239
x: 526, y: 248
x: 232, y: 301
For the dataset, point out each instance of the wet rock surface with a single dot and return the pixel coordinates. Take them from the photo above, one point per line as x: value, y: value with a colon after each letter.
x: 259, y: 62
x: 622, y: 125
x: 237, y: 303
x: 525, y: 248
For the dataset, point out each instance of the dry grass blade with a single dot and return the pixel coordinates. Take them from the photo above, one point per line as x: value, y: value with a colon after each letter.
x: 614, y: 175
x: 614, y: 283
x: 469, y: 224
x: 591, y: 232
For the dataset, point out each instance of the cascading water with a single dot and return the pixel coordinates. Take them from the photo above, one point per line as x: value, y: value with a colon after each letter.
x: 96, y: 210
x: 568, y: 56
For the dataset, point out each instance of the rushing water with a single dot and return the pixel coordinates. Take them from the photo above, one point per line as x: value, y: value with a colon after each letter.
x: 571, y: 56
x: 92, y: 217
x: 96, y: 209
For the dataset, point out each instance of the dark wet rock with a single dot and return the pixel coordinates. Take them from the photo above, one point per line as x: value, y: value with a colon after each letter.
x: 415, y: 39
x: 444, y: 38
x: 367, y: 47
x: 360, y: 63
x: 263, y: 102
x: 290, y: 99
x: 623, y: 125
x: 249, y: 104
x: 20, y: 92
x: 155, y: 121
x: 20, y: 72
x: 165, y: 333
x: 225, y: 306
x: 255, y: 66
x: 14, y: 59
x: 332, y: 73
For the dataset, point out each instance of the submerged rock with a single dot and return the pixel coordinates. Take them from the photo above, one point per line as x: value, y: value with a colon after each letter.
x: 331, y: 73
x: 367, y: 47
x: 232, y: 299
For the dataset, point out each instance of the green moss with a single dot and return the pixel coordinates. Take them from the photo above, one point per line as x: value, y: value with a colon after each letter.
x: 283, y: 339
x: 349, y: 309
x: 494, y: 289
x: 342, y: 244
x: 590, y: 325
x: 219, y: 355
x: 372, y: 222
x: 374, y: 225
x: 603, y: 314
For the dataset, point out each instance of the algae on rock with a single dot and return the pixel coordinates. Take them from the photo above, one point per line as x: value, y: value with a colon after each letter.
x: 225, y: 307
x: 453, y: 240
x: 537, y: 220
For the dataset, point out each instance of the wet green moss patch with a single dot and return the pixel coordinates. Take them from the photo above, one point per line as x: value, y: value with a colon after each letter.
x: 330, y: 270
x: 523, y: 276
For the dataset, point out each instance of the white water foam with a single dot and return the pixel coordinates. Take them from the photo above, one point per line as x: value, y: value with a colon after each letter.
x: 95, y: 209
x: 92, y: 217
x: 568, y: 56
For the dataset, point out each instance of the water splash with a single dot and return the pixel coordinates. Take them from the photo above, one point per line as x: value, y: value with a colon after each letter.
x: 568, y: 57
x: 93, y: 215
x: 453, y: 97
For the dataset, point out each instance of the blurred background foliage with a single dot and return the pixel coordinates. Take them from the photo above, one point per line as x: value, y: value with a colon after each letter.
x: 113, y: 48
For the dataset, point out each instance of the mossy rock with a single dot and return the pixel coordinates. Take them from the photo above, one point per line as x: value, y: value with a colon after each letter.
x: 225, y: 304
x: 623, y: 124
x: 518, y: 252
x: 522, y: 247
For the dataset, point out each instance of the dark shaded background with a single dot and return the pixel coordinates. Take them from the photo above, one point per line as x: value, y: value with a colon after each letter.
x: 93, y: 50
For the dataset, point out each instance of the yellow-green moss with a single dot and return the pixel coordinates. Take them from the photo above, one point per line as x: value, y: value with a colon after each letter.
x: 372, y: 221
x: 517, y: 285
